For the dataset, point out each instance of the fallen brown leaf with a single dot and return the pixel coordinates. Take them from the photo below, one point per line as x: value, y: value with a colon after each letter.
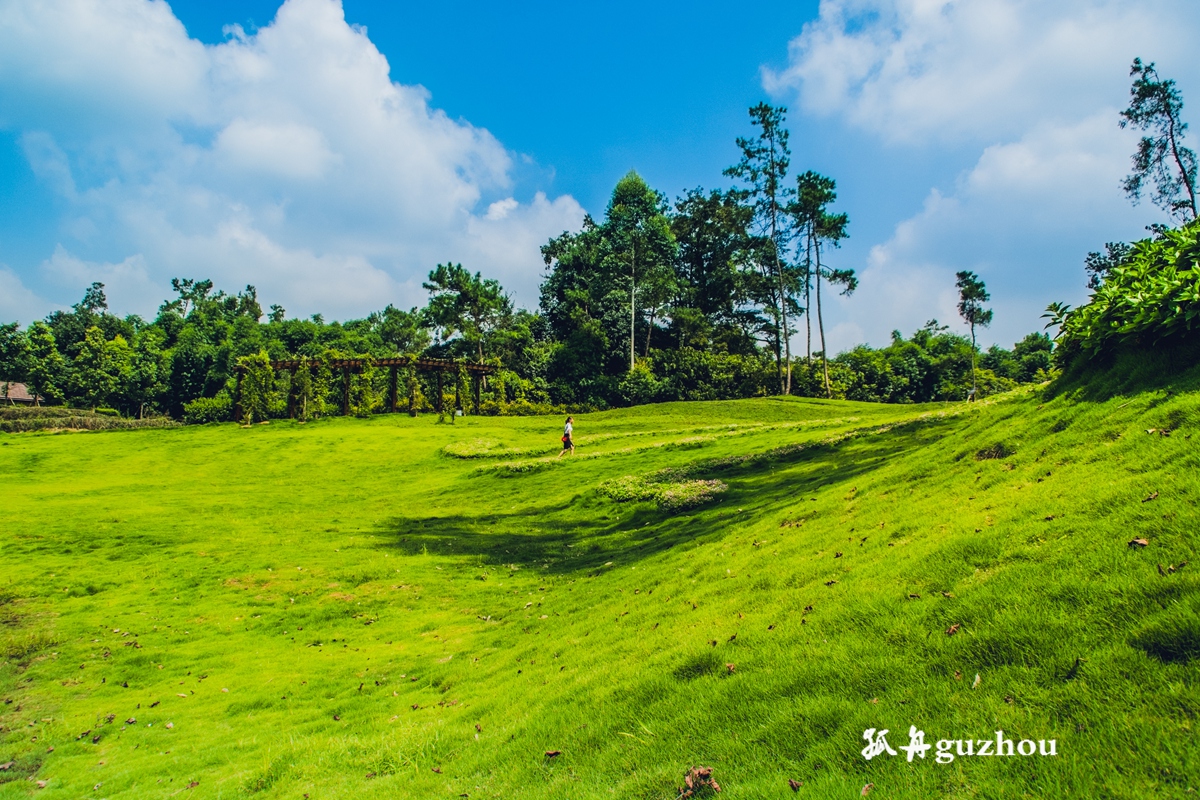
x: 1139, y: 542
x: 1151, y: 496
x: 731, y: 668
x: 866, y: 789
x: 795, y: 785
x: 953, y: 629
x: 553, y: 753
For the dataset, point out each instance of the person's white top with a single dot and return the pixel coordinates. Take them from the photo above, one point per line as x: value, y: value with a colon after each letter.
x: 567, y: 429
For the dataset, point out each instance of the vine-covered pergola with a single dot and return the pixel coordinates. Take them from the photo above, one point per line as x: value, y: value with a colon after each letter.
x: 349, y: 366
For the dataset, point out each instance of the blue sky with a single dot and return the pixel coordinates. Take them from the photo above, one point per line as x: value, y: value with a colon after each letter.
x: 332, y: 154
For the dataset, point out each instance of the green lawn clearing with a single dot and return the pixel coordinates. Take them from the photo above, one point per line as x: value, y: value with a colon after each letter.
x: 398, y: 608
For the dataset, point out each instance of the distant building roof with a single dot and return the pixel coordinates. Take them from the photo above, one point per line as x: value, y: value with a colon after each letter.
x: 15, y: 393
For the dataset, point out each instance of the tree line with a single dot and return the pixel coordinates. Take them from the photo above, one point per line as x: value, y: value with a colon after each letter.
x: 708, y: 296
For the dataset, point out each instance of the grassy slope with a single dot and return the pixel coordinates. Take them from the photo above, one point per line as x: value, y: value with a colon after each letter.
x: 377, y: 609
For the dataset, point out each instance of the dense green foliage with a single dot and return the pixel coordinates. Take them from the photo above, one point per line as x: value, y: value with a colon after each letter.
x: 693, y: 300
x: 1149, y: 293
x: 396, y: 608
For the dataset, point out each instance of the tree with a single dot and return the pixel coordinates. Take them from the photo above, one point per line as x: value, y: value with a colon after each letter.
x: 45, y: 365
x: 641, y: 244
x: 465, y: 304
x: 1098, y: 265
x: 972, y: 294
x: 100, y: 368
x: 763, y: 168
x: 713, y: 272
x: 404, y: 331
x: 14, y: 353
x: 814, y: 194
x: 1154, y: 107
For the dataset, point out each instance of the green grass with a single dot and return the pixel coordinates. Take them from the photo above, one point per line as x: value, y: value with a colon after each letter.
x: 397, y: 608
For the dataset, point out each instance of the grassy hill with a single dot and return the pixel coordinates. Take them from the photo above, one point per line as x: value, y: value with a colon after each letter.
x: 399, y: 608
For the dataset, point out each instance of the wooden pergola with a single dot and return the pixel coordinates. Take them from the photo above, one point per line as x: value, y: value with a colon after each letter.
x: 349, y: 366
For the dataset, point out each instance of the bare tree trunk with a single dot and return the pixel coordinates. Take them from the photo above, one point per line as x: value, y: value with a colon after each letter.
x: 974, y: 388
x: 1187, y: 184
x: 785, y: 373
x: 787, y: 339
x: 821, y: 325
x: 632, y: 307
x: 649, y: 330
x: 808, y: 295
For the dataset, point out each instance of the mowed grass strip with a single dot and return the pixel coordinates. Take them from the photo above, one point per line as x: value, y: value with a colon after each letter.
x: 352, y: 608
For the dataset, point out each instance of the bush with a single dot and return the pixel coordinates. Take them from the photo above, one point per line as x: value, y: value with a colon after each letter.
x: 208, y: 409
x: 1153, y: 294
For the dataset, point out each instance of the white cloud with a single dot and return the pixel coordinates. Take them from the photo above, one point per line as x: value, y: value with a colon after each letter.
x: 911, y: 70
x: 287, y: 159
x: 285, y: 151
x: 18, y: 303
x: 1029, y: 91
x: 1022, y: 217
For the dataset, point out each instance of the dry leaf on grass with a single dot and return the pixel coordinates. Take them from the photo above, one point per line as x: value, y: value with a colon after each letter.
x: 695, y: 781
x: 795, y: 785
x: 953, y: 629
x: 866, y: 789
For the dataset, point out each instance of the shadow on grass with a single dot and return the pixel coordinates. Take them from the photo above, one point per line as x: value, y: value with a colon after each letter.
x: 1171, y: 364
x: 591, y: 532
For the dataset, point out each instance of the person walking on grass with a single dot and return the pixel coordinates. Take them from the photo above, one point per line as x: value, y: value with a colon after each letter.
x: 567, y: 440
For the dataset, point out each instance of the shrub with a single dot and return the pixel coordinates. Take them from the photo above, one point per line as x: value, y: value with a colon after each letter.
x: 1153, y: 294
x: 208, y: 409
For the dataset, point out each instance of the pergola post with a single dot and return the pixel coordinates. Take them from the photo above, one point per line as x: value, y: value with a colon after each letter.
x: 237, y: 397
x: 346, y: 391
x: 475, y: 381
x: 291, y: 403
x: 393, y: 399
x: 440, y: 394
